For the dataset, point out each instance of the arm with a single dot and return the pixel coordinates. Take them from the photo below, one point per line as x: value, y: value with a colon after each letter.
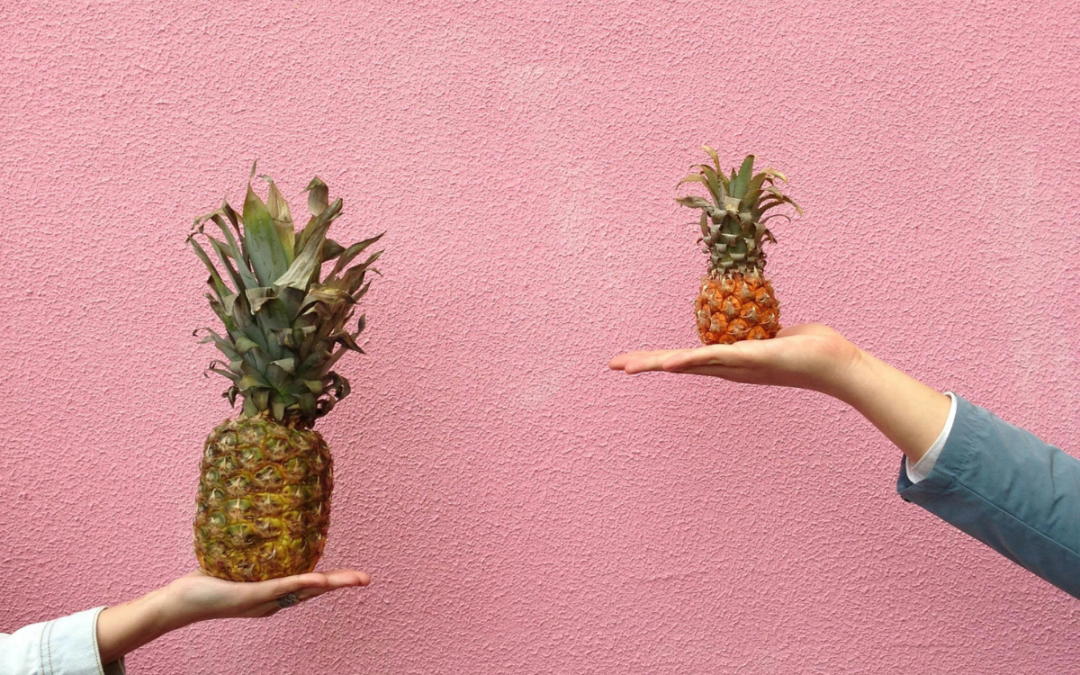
x: 908, y: 412
x: 95, y: 641
x: 994, y: 481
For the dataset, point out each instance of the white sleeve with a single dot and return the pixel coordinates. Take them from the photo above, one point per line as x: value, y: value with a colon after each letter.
x: 65, y: 646
x: 925, y: 465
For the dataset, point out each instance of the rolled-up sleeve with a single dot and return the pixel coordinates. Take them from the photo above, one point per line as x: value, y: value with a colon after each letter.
x: 1011, y: 491
x: 65, y: 646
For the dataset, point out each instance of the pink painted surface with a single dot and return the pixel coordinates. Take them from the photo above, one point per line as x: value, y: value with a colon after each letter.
x: 521, y: 509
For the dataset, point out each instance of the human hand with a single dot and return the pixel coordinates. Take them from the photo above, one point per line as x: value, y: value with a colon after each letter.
x: 198, y: 597
x: 812, y: 356
x: 809, y: 356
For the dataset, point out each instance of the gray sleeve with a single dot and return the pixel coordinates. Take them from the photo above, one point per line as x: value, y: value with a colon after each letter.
x: 1011, y: 491
x: 65, y: 646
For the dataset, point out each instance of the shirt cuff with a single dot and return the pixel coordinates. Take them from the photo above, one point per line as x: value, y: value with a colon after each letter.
x: 69, y: 646
x: 65, y: 646
x: 925, y: 465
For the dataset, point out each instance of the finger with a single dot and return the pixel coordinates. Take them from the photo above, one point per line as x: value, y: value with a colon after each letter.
x: 743, y: 354
x: 337, y: 579
x: 715, y: 355
x: 309, y: 593
x: 313, y: 583
x: 270, y: 607
x: 344, y: 578
x: 292, y: 584
x: 621, y: 361
x: 648, y: 361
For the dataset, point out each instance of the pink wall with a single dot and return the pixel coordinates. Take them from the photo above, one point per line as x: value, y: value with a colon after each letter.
x: 521, y: 509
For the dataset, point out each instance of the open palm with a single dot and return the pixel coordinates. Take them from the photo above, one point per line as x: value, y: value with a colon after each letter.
x: 809, y: 356
x: 204, y: 597
x: 198, y: 597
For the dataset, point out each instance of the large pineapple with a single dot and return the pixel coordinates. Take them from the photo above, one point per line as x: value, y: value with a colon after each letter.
x: 736, y: 301
x: 263, y: 506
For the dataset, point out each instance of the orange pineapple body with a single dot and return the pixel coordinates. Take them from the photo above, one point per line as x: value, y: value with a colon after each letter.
x: 736, y: 301
x: 736, y: 307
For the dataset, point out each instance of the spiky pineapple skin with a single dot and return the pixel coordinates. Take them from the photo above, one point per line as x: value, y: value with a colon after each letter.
x: 263, y: 506
x: 734, y: 307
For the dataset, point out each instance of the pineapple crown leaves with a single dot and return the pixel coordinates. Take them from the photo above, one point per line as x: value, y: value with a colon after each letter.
x: 286, y: 324
x: 733, y: 218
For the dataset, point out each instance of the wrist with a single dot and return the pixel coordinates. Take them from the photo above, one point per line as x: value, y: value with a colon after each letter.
x: 906, y: 411
x: 850, y: 379
x: 842, y: 371
x: 126, y: 627
x: 173, y: 607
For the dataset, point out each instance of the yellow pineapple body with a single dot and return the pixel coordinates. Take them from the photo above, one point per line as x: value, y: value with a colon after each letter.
x: 736, y: 307
x: 263, y: 506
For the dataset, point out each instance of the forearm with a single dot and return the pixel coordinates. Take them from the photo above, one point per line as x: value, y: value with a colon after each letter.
x: 908, y: 412
x: 124, y: 628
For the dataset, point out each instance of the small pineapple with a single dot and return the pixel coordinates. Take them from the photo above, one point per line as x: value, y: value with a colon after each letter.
x: 736, y: 301
x: 263, y: 505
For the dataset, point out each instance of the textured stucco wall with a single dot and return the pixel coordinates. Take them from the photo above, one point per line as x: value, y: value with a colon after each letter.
x: 521, y: 509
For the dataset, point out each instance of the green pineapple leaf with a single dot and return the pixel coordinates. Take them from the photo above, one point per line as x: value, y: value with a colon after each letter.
x: 309, y: 261
x: 221, y: 371
x: 715, y: 158
x: 734, y: 229
x: 282, y: 217
x: 262, y: 398
x: 307, y: 405
x: 249, y: 382
x: 245, y: 344
x: 740, y: 182
x: 318, y: 196
x: 225, y: 257
x: 288, y: 365
x: 339, y: 384
x: 694, y: 202
x: 216, y: 283
x: 356, y: 291
x: 224, y: 346
x: 693, y: 178
x: 262, y: 240
x: 717, y: 186
x: 331, y: 249
x: 260, y: 296
x: 234, y: 219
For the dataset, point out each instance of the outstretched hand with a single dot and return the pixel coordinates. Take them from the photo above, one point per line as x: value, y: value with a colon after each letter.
x: 816, y: 357
x: 198, y: 597
x: 810, y: 356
